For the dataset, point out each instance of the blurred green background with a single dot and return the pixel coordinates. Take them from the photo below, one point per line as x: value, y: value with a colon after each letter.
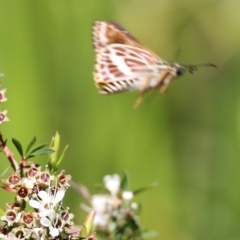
x: 188, y: 140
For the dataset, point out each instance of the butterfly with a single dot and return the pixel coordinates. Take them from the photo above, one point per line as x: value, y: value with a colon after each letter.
x: 123, y: 64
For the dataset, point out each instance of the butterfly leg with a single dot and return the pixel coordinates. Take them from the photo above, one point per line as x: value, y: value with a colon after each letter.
x: 141, y: 92
x: 164, y: 80
x: 166, y: 84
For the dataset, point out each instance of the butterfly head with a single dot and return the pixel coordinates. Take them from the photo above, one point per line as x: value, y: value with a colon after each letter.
x: 177, y: 69
x: 180, y: 69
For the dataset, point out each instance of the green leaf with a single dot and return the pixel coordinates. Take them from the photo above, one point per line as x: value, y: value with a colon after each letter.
x: 55, y: 145
x: 39, y: 152
x: 149, y: 234
x: 53, y: 161
x: 62, y: 156
x: 31, y: 144
x: 139, y: 208
x: 4, y: 172
x: 89, y: 222
x: 150, y: 186
x: 124, y: 181
x: 83, y: 232
x: 38, y: 148
x: 18, y: 145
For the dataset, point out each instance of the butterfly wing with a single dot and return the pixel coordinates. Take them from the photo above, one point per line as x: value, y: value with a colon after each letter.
x: 121, y: 61
x: 106, y: 33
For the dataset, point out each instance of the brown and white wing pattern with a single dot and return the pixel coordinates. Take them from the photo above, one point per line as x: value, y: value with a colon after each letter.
x: 122, y: 63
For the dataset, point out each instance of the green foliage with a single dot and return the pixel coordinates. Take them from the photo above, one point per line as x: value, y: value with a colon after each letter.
x: 86, y: 230
x: 30, y: 144
x: 54, y: 161
x: 18, y: 146
x: 124, y: 181
x: 139, y: 190
x: 37, y: 151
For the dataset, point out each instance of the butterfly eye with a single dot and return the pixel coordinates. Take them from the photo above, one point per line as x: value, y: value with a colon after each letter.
x: 180, y: 71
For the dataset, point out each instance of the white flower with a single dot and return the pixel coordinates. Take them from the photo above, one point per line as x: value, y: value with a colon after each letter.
x: 47, y: 217
x: 101, y: 220
x: 46, y: 204
x: 3, y: 116
x: 102, y: 205
x: 29, y: 183
x: 11, y: 217
x: 112, y: 183
x: 127, y: 195
x: 47, y: 201
x: 54, y: 232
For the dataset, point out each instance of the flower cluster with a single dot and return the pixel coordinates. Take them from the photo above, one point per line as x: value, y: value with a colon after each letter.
x: 37, y: 211
x: 115, y: 205
x: 116, y: 214
x: 43, y: 192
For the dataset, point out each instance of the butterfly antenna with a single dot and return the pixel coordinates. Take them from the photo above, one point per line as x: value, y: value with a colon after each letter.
x: 177, y: 54
x: 193, y: 68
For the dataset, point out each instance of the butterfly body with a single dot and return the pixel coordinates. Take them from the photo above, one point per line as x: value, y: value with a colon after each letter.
x: 123, y: 64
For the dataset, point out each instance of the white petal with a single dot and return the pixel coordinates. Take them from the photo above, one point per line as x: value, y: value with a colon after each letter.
x: 127, y: 195
x: 29, y: 183
x: 48, y: 213
x: 54, y: 232
x: 59, y: 196
x: 99, y: 203
x: 134, y: 206
x: 112, y: 183
x: 44, y: 196
x: 35, y: 204
x: 45, y: 222
x: 102, y: 220
x: 51, y: 213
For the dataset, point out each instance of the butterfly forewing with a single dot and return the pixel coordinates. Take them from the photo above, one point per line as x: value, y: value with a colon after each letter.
x: 105, y: 33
